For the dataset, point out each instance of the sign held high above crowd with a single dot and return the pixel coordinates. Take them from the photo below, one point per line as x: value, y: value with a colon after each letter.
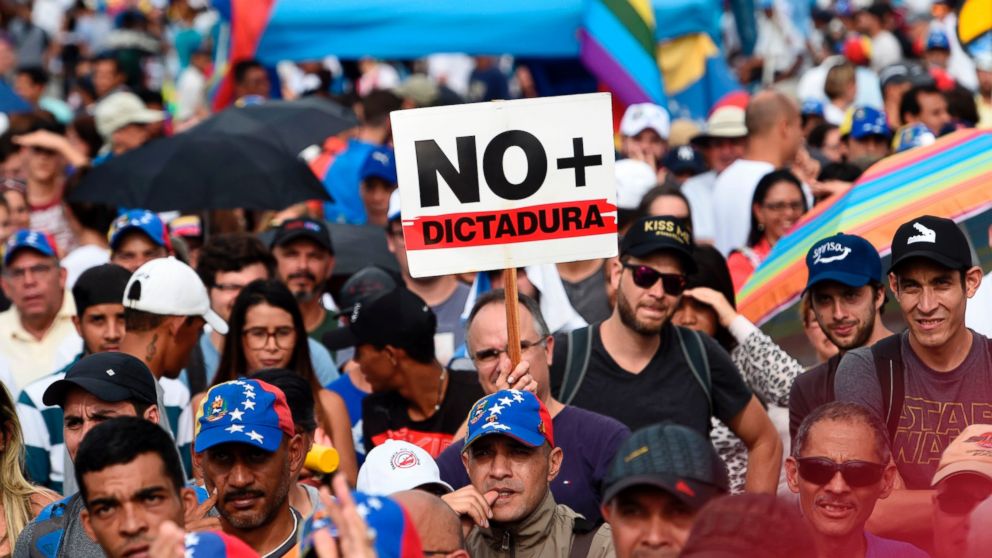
x: 506, y: 184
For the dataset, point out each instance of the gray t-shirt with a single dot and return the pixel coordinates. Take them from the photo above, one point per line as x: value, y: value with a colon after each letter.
x: 936, y: 408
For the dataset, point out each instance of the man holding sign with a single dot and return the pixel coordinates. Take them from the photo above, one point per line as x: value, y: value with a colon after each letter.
x: 640, y: 369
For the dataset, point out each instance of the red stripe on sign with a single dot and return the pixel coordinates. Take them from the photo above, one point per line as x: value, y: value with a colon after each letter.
x: 523, y: 224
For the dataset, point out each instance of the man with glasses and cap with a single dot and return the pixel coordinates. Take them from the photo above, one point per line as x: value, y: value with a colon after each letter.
x: 641, y: 369
x: 963, y: 499
x: 840, y: 466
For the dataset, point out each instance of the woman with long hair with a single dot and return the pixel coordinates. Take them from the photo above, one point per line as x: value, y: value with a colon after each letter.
x: 267, y: 331
x: 777, y: 205
x: 707, y: 305
x: 20, y: 500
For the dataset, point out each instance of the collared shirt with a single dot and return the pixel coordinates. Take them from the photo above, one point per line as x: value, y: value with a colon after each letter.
x: 28, y: 358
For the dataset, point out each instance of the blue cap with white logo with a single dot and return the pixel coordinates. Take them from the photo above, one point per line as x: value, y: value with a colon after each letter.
x: 845, y: 258
x: 812, y: 107
x: 937, y: 40
x: 39, y: 241
x: 514, y: 413
x: 140, y: 220
x: 380, y: 164
x: 868, y: 121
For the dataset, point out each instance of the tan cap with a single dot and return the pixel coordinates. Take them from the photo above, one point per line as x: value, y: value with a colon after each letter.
x: 120, y: 109
x: 420, y: 89
x: 725, y: 122
x: 970, y: 452
x: 683, y: 130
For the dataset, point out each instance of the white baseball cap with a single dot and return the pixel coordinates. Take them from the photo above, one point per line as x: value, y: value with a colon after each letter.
x: 120, y: 109
x: 634, y: 179
x: 641, y: 116
x: 393, y: 212
x: 168, y: 287
x: 394, y: 466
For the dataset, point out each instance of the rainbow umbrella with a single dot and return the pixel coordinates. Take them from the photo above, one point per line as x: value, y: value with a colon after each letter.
x: 950, y: 178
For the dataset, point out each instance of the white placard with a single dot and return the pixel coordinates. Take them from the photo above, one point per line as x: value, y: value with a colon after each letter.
x: 506, y: 184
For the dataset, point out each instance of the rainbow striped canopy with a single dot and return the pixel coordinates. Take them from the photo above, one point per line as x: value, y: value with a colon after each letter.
x: 951, y: 178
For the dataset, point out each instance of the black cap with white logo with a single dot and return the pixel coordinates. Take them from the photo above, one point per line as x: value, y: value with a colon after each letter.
x: 934, y: 238
x: 399, y: 318
x: 110, y: 377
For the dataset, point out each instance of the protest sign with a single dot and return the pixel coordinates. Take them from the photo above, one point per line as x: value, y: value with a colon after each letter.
x: 506, y: 184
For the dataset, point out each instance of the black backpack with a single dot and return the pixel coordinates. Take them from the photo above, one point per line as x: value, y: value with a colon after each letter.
x: 580, y: 349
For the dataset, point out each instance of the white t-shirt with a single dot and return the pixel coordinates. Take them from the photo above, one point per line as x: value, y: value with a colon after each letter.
x: 699, y: 191
x: 978, y: 314
x: 885, y: 50
x: 81, y: 259
x: 732, y: 197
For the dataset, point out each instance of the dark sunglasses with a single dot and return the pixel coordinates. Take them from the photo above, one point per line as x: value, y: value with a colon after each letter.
x: 857, y: 474
x: 962, y: 498
x: 645, y: 278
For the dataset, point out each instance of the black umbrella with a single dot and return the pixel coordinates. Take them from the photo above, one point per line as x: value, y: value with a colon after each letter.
x: 295, y: 125
x: 198, y: 170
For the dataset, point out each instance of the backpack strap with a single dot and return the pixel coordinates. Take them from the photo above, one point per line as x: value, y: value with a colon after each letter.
x: 583, y: 531
x: 576, y: 363
x: 695, y: 355
x: 889, y: 369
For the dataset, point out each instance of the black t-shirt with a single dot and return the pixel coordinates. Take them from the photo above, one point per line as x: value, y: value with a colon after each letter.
x: 812, y: 388
x: 385, y: 416
x: 665, y: 390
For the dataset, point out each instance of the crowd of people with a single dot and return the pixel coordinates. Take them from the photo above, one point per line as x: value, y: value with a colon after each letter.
x: 234, y: 383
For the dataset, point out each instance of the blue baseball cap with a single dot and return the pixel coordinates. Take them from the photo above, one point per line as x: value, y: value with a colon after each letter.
x: 812, y: 107
x: 142, y: 220
x: 381, y: 163
x: 511, y: 412
x: 246, y: 411
x: 937, y: 40
x: 394, y: 533
x: 845, y: 258
x: 39, y: 241
x: 868, y: 121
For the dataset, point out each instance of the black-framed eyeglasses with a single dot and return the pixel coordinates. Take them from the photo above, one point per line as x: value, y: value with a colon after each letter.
x: 857, y: 474
x: 645, y: 277
x: 257, y: 337
x: 490, y: 356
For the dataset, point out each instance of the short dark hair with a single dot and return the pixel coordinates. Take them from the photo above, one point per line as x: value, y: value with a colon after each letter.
x: 232, y: 252
x: 961, y: 105
x: 118, y: 68
x: 299, y: 395
x: 139, y: 320
x: 842, y: 411
x: 845, y: 172
x: 120, y: 441
x: 910, y: 103
x: 242, y: 67
x: 92, y: 216
x: 377, y: 105
x: 818, y: 135
x: 36, y: 74
x: 499, y: 296
x: 661, y: 191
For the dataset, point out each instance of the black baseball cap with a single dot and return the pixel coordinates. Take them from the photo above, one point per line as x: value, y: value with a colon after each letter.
x: 111, y: 377
x: 102, y: 284
x: 365, y: 285
x: 399, y: 318
x: 304, y: 227
x: 671, y: 457
x: 655, y: 233
x: 934, y: 238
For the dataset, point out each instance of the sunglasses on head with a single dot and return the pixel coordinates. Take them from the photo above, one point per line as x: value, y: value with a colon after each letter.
x: 645, y: 278
x: 857, y: 474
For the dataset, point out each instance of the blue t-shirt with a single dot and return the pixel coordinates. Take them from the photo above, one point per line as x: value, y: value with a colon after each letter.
x: 877, y: 547
x: 589, y: 440
x: 341, y: 182
x: 353, y: 398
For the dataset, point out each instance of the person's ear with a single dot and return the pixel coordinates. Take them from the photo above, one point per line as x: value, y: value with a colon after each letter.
x: 151, y: 414
x: 188, y: 497
x: 888, y: 480
x: 972, y: 280
x: 5, y: 286
x: 879, y: 297
x: 87, y: 526
x: 297, y: 454
x: 549, y: 348
x: 63, y: 274
x: 78, y: 324
x: 894, y: 284
x: 330, y: 267
x: 616, y: 270
x: 464, y: 456
x: 554, y: 461
x: 792, y: 474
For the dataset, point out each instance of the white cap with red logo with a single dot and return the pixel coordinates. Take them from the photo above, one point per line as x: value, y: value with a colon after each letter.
x: 395, y: 465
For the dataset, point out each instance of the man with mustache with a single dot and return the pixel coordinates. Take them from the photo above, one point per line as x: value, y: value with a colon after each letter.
x: 304, y: 262
x: 97, y: 388
x: 641, y: 369
x: 131, y: 482
x: 840, y: 466
x: 846, y: 295
x: 511, y: 458
x: 250, y: 454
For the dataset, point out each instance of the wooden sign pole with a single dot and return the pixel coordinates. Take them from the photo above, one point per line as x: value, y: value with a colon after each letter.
x: 512, y: 317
